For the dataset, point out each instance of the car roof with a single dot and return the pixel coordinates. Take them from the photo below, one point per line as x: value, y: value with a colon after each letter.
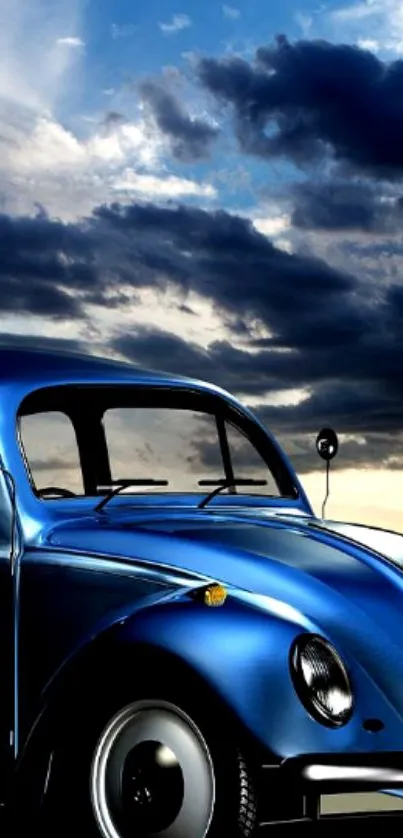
x: 38, y: 367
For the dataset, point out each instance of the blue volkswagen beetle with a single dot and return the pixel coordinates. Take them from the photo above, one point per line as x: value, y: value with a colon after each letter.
x: 187, y: 651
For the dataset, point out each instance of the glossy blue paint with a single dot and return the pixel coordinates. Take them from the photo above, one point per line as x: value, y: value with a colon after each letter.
x: 130, y: 569
x: 320, y: 583
x: 244, y: 656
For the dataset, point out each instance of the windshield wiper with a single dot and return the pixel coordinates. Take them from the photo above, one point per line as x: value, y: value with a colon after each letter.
x: 117, y: 486
x: 225, y: 484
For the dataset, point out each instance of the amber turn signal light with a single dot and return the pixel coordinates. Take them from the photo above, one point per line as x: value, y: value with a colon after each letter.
x: 213, y: 595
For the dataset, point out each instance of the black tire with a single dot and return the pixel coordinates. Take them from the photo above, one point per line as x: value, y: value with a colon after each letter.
x: 68, y: 807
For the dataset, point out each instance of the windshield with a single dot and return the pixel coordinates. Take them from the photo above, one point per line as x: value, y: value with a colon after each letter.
x: 84, y: 441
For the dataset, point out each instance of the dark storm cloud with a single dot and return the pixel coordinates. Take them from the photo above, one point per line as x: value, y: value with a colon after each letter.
x: 51, y: 268
x: 358, y: 391
x: 41, y: 263
x: 38, y: 298
x: 385, y: 247
x: 334, y: 333
x: 348, y: 406
x: 34, y: 342
x: 336, y: 336
x: 305, y: 99
x: 147, y: 346
x: 395, y: 296
x: 307, y: 305
x: 221, y: 363
x: 190, y: 139
x: 345, y: 205
x: 370, y: 450
x: 365, y: 411
x: 224, y: 258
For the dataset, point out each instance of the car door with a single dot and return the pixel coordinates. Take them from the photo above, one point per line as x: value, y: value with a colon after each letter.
x: 6, y: 632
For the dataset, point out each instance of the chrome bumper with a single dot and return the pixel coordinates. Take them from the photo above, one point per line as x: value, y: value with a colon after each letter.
x: 291, y: 792
x: 338, y: 773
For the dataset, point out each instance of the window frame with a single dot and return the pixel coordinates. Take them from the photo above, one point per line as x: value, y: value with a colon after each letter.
x: 82, y: 403
x: 6, y: 508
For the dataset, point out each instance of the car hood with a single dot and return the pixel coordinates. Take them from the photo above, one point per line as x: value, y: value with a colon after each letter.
x: 346, y: 580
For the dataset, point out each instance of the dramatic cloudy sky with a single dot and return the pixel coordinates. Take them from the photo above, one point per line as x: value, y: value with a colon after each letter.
x: 217, y: 190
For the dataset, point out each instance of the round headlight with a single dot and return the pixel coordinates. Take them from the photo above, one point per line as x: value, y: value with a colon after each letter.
x: 321, y: 680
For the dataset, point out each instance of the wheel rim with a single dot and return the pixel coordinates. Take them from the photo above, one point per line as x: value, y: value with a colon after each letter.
x: 152, y: 775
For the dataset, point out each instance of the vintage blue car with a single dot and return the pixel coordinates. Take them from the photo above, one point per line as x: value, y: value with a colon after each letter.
x: 187, y: 651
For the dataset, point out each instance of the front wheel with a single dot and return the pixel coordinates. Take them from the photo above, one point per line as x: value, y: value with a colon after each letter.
x: 153, y: 772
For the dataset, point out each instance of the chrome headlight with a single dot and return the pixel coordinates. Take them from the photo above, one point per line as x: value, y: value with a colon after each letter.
x: 321, y: 680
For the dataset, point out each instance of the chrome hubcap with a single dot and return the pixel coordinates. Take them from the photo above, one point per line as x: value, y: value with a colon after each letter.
x: 152, y: 775
x: 152, y: 787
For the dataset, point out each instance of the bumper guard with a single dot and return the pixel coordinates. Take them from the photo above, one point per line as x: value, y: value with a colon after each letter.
x: 291, y: 792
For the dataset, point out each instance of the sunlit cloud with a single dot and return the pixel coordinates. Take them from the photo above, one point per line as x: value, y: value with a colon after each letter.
x: 231, y: 13
x: 44, y: 162
x: 370, y: 44
x: 377, y: 23
x: 272, y: 226
x: 37, y: 68
x: 305, y: 22
x: 70, y: 42
x: 168, y: 187
x: 177, y: 24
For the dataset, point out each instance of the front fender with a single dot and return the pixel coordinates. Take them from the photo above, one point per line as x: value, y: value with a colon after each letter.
x: 241, y: 650
x: 237, y: 651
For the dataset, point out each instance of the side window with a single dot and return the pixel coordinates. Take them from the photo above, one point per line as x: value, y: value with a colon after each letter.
x: 248, y: 464
x: 51, y: 450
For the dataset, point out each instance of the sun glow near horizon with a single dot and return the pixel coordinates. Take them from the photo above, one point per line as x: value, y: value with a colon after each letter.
x: 366, y: 496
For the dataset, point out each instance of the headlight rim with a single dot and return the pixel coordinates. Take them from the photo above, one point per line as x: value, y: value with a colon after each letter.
x: 306, y: 696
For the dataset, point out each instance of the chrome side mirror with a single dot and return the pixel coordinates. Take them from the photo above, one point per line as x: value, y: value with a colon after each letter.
x: 327, y: 444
